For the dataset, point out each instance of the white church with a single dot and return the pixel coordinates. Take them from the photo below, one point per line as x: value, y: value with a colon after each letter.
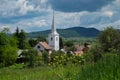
x: 53, y: 41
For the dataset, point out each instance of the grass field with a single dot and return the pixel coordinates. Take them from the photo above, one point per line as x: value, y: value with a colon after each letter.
x: 39, y: 73
x: 108, y: 68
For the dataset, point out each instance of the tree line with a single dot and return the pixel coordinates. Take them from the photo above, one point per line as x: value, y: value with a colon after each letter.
x: 109, y: 41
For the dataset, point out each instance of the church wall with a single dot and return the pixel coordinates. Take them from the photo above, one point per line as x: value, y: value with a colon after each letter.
x: 53, y: 43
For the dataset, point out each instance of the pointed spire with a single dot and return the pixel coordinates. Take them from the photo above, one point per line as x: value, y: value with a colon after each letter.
x: 53, y: 26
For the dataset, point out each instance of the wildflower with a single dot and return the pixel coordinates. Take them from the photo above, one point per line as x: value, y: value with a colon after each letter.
x: 79, y: 61
x: 56, y: 57
x: 49, y: 64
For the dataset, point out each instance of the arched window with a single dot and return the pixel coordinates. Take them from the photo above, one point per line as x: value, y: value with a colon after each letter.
x: 56, y: 38
x: 51, y: 38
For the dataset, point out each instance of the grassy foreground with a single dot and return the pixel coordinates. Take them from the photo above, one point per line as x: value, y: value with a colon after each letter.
x: 108, y: 68
x: 39, y: 73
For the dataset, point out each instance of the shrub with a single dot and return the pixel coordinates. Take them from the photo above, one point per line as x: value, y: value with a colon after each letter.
x: 59, y: 58
x: 29, y: 57
x: 94, y: 54
x: 45, y: 57
x: 8, y: 50
x: 110, y: 40
x: 78, y: 59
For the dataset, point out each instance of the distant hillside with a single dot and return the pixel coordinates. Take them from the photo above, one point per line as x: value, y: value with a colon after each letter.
x: 69, y: 32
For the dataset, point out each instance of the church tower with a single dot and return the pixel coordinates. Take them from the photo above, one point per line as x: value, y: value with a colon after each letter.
x: 53, y: 37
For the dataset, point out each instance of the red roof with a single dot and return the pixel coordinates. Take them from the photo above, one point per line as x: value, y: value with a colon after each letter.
x: 45, y: 45
x: 79, y: 47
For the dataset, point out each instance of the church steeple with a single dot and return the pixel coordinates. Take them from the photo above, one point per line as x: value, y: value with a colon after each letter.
x: 53, y: 25
x: 53, y: 38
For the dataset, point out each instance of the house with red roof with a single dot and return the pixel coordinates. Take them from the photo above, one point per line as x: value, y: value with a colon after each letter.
x: 43, y: 46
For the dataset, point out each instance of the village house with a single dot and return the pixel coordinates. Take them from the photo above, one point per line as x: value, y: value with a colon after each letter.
x: 81, y: 49
x: 42, y: 46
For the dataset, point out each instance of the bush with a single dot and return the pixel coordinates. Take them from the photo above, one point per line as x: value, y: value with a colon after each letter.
x: 94, y: 54
x: 110, y: 40
x: 59, y: 58
x: 8, y: 50
x: 45, y: 57
x: 30, y: 57
x: 78, y: 59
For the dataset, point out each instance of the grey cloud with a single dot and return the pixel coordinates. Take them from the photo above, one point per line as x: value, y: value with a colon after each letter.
x: 78, y: 5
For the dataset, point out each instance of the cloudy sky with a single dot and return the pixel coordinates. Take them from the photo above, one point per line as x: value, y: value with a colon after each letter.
x: 36, y: 15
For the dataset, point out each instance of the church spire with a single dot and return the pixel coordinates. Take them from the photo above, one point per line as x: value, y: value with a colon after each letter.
x: 53, y: 37
x: 53, y: 26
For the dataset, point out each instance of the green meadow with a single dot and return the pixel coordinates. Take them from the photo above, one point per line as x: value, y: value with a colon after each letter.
x: 107, y: 68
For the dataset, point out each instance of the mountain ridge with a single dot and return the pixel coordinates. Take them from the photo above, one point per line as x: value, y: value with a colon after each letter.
x: 68, y: 32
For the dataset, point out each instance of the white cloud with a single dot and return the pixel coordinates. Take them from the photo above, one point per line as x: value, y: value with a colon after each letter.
x: 43, y: 1
x: 24, y: 7
x: 108, y: 13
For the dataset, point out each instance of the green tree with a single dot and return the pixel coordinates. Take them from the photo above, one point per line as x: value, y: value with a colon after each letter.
x: 41, y: 38
x: 23, y: 44
x: 61, y: 43
x: 109, y: 39
x: 69, y: 44
x: 22, y: 39
x: 8, y: 50
x: 32, y: 42
x: 30, y: 56
x: 45, y: 57
x: 17, y: 33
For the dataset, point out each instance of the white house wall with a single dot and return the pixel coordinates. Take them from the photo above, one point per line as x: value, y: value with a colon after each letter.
x: 39, y: 49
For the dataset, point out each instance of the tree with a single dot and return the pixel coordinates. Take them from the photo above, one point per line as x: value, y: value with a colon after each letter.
x: 22, y: 39
x: 61, y: 43
x: 45, y: 57
x: 41, y: 38
x: 32, y: 42
x: 17, y: 33
x: 30, y: 57
x: 69, y: 44
x: 8, y: 50
x: 109, y: 39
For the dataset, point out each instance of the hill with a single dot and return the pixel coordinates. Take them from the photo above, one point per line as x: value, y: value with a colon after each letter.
x: 69, y: 32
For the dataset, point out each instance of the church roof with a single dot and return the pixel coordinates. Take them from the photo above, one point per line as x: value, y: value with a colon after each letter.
x: 45, y: 45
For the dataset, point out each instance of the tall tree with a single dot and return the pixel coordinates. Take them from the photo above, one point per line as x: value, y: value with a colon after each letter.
x: 41, y: 38
x: 61, y: 43
x: 17, y: 33
x: 32, y: 42
x: 110, y: 39
x: 22, y: 40
x: 8, y: 50
x: 69, y: 43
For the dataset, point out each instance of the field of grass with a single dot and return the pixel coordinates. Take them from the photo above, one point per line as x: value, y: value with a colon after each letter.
x: 39, y: 73
x: 108, y: 68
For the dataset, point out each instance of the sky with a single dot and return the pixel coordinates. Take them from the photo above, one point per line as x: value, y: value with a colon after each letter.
x: 36, y: 15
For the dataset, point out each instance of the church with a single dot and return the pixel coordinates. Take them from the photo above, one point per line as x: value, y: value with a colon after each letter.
x: 53, y: 41
x: 53, y: 37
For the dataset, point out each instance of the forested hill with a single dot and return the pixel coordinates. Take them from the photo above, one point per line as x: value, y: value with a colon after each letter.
x: 69, y: 32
